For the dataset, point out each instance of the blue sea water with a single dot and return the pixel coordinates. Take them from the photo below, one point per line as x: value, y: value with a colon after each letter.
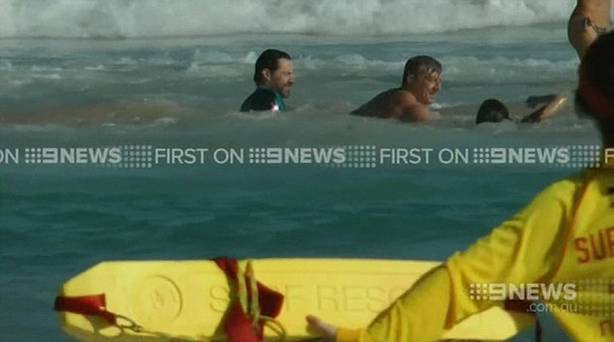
x: 103, y: 74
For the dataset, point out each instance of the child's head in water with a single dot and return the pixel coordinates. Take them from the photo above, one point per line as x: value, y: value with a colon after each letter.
x: 492, y: 110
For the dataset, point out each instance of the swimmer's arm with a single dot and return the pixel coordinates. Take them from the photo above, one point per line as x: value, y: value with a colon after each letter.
x: 552, y: 108
x: 533, y: 101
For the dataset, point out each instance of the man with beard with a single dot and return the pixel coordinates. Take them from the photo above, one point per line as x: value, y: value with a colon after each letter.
x: 274, y: 76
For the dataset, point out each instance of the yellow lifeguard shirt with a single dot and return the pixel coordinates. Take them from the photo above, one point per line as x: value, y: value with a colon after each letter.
x: 564, y: 236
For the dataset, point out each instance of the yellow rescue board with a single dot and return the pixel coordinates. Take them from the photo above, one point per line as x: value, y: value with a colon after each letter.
x: 187, y: 299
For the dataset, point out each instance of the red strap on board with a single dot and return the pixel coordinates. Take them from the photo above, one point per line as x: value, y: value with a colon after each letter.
x: 237, y: 325
x: 94, y: 305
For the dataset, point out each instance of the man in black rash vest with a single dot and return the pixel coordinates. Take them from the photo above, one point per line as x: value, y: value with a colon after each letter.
x: 274, y: 76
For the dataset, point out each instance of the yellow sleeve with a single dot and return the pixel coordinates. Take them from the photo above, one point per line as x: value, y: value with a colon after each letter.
x: 348, y: 335
x: 418, y: 315
x: 526, y: 248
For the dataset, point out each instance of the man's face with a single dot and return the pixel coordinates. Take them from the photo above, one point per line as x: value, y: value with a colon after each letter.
x: 426, y: 86
x: 282, y: 79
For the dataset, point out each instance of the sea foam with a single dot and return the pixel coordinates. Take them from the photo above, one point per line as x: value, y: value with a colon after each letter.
x: 166, y: 18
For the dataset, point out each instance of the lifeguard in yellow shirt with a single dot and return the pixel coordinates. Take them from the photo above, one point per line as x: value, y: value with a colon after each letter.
x: 564, y: 236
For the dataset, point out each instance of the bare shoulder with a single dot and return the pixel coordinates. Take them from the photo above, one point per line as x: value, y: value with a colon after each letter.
x: 405, y: 98
x: 411, y: 109
x: 390, y: 95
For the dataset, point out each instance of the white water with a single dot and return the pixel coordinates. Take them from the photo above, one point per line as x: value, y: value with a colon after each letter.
x: 165, y: 18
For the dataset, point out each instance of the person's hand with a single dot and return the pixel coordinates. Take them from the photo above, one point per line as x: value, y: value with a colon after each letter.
x: 327, y: 331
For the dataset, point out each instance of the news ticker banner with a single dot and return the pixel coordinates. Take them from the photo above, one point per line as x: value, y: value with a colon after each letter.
x: 348, y: 156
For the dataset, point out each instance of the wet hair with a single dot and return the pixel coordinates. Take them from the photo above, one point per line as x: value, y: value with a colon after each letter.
x: 420, y: 64
x: 595, y: 94
x: 268, y: 59
x: 597, y: 76
x: 492, y: 110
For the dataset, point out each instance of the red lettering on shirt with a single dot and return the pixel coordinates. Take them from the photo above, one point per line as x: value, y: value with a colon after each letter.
x: 580, y: 244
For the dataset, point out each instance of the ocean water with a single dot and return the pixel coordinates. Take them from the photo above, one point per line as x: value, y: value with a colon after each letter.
x: 173, y: 74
